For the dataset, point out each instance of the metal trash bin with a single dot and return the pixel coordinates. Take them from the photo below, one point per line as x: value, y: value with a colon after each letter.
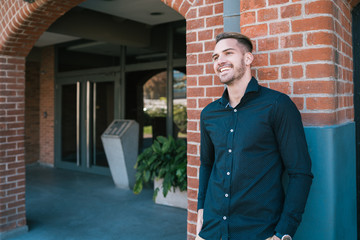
x: 121, y: 140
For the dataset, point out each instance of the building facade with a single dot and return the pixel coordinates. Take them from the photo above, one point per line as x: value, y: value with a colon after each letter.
x: 303, y: 48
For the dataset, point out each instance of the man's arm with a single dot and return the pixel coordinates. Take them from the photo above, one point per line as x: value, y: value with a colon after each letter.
x: 292, y: 145
x: 206, y: 160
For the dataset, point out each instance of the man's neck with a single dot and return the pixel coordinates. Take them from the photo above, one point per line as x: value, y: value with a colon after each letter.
x: 237, y: 90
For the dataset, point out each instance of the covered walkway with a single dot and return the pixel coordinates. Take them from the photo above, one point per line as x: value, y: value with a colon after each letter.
x: 64, y: 204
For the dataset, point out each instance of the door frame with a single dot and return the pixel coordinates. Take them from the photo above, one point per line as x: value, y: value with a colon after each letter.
x: 95, y: 75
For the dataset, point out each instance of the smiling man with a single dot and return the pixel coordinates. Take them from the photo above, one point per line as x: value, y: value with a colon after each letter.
x: 249, y: 137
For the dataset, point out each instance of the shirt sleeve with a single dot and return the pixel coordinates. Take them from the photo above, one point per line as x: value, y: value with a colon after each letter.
x: 207, y: 160
x: 293, y: 148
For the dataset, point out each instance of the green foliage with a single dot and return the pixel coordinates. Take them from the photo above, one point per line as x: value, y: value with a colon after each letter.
x: 156, y: 112
x: 166, y: 159
x: 148, y: 130
x: 180, y: 117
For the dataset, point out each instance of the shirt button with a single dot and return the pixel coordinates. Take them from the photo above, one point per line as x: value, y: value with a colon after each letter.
x: 226, y: 195
x: 228, y: 173
x: 235, y: 110
x: 224, y: 217
x: 231, y: 130
x: 229, y: 150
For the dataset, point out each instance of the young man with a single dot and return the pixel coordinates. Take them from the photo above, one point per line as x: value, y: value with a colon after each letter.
x: 248, y: 138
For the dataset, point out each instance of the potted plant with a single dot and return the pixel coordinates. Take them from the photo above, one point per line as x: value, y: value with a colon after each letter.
x: 165, y: 161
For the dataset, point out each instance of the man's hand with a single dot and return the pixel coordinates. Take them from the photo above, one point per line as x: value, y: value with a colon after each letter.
x: 275, y: 238
x: 199, y: 220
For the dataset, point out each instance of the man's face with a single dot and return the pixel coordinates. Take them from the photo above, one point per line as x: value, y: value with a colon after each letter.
x: 228, y: 59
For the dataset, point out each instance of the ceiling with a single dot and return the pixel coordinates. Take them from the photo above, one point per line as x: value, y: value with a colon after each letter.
x: 147, y: 12
x: 151, y: 12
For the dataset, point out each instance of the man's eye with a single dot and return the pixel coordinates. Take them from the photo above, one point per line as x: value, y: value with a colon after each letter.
x: 215, y: 58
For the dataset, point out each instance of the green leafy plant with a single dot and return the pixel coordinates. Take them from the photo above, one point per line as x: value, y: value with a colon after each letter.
x: 165, y: 159
x: 180, y: 117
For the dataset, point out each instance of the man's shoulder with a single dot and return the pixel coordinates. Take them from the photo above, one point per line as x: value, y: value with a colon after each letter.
x: 280, y: 101
x: 274, y: 95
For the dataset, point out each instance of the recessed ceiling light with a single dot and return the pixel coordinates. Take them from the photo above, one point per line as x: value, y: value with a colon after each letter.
x: 156, y: 13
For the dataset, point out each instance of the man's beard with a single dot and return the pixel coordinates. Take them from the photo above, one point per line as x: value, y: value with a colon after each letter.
x: 238, y: 74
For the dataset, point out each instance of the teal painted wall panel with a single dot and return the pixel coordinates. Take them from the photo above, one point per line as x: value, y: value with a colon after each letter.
x: 331, y: 208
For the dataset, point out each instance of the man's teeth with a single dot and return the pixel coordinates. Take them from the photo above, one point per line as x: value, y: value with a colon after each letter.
x: 224, y: 69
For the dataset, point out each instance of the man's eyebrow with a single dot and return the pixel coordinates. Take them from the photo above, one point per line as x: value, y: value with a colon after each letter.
x: 227, y: 49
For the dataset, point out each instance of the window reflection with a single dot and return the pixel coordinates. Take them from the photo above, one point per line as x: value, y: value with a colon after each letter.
x: 155, y: 106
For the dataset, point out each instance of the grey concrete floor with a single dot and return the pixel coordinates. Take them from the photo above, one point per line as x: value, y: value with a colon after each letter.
x: 62, y: 204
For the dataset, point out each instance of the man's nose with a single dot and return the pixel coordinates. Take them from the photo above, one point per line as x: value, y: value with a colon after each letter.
x: 221, y: 58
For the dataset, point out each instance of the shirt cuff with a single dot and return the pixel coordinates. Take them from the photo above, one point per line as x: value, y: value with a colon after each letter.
x: 279, y: 235
x: 286, y: 227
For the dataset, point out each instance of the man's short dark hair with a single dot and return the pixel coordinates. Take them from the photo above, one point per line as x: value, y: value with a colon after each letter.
x: 242, y: 39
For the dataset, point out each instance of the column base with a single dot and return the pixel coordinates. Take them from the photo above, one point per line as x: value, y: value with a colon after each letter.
x: 14, y: 232
x: 331, y: 212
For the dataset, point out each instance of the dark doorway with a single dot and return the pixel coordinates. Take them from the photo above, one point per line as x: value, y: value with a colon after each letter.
x: 356, y: 54
x: 85, y: 107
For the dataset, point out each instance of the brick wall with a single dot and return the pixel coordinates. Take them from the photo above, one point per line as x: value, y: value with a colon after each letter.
x: 32, y: 100
x: 303, y: 48
x: 12, y: 167
x: 204, y: 21
x: 47, y: 94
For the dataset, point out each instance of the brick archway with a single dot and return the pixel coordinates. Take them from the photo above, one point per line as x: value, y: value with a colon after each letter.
x: 353, y: 3
x: 22, y: 23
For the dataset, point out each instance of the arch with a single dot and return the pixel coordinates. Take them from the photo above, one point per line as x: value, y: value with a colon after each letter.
x: 181, y: 6
x: 353, y: 3
x: 22, y: 29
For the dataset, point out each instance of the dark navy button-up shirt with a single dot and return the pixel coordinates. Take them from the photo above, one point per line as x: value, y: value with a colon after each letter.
x: 244, y: 151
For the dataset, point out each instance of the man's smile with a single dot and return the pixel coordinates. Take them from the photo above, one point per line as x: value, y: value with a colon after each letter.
x: 224, y: 68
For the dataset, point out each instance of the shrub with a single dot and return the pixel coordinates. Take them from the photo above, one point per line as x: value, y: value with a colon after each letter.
x: 165, y: 159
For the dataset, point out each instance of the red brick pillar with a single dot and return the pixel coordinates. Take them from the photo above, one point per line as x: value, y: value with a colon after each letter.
x: 304, y: 49
x: 204, y: 20
x: 12, y: 166
x: 21, y: 24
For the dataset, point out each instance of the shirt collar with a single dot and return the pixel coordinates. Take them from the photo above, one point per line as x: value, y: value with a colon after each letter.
x: 253, y: 86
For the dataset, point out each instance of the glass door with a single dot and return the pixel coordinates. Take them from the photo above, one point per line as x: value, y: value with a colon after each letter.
x: 70, y: 120
x: 86, y: 108
x: 101, y: 115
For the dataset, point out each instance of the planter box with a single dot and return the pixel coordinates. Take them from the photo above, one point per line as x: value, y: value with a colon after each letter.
x: 174, y: 199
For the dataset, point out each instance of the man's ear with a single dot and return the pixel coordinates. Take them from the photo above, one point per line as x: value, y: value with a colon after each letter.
x: 249, y: 58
